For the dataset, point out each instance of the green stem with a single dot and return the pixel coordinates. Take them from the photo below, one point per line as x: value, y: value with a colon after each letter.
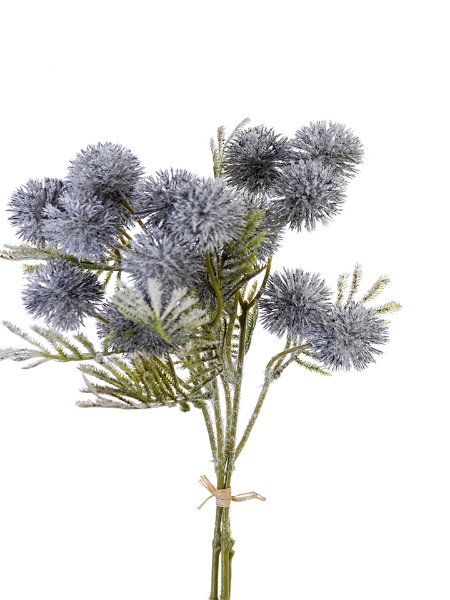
x: 216, y: 547
x: 212, y: 439
x: 219, y: 423
x: 263, y: 284
x: 268, y: 378
x: 216, y: 287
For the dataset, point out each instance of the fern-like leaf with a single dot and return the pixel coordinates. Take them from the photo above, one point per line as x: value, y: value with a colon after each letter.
x: 389, y: 307
x: 376, y: 289
x: 341, y: 287
x: 356, y: 280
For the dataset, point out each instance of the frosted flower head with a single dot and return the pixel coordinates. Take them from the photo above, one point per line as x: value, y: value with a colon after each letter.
x: 105, y: 170
x: 206, y: 215
x: 27, y: 207
x: 127, y: 336
x: 336, y: 145
x: 292, y: 301
x: 155, y: 197
x: 154, y: 254
x: 62, y: 294
x: 307, y: 192
x: 253, y: 157
x: 345, y: 338
x: 80, y: 225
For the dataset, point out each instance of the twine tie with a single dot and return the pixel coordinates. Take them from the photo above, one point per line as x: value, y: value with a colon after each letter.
x: 224, y: 497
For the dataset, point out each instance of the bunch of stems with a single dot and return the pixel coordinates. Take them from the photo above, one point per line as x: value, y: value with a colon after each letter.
x: 222, y: 432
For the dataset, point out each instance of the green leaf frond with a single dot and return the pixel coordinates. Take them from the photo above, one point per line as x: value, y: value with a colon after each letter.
x: 47, y: 252
x: 356, y: 280
x: 222, y: 142
x: 61, y: 348
x: 238, y: 263
x: 252, y: 319
x: 28, y: 252
x: 389, y: 307
x: 341, y: 287
x: 312, y: 367
x: 139, y: 381
x: 376, y: 289
x: 175, y: 322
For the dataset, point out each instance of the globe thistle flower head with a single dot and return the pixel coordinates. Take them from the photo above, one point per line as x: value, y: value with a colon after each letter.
x: 126, y: 336
x: 155, y: 254
x: 27, y: 206
x: 155, y: 197
x: 293, y: 301
x: 345, y: 338
x: 336, y: 145
x: 307, y: 192
x: 62, y: 294
x: 206, y: 216
x: 80, y: 225
x: 253, y: 158
x: 106, y: 171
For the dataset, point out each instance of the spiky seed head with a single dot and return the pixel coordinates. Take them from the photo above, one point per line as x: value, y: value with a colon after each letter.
x: 154, y: 197
x: 154, y: 254
x: 307, y: 192
x: 345, y: 338
x: 81, y: 225
x: 253, y: 158
x: 27, y: 207
x: 126, y: 336
x: 292, y: 301
x: 105, y: 170
x: 62, y: 294
x: 207, y: 215
x: 334, y: 143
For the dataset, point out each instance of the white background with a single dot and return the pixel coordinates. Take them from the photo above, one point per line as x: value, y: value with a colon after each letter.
x: 101, y: 504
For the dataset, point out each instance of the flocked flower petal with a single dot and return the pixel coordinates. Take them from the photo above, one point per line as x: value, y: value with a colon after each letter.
x: 306, y: 193
x: 346, y: 337
x: 27, y: 207
x: 62, y: 294
x: 81, y: 225
x: 156, y: 255
x: 336, y: 145
x: 253, y: 158
x: 105, y: 170
x: 207, y: 215
x: 292, y: 301
x: 155, y: 197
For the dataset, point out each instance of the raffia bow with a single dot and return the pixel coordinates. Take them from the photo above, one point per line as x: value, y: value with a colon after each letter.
x: 224, y: 497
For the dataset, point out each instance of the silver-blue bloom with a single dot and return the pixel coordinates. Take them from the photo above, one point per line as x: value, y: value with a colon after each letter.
x: 292, y: 301
x: 333, y: 143
x: 105, y: 170
x: 155, y: 196
x: 81, y: 225
x: 345, y: 338
x: 253, y: 158
x: 207, y: 215
x: 62, y: 294
x: 307, y: 192
x: 27, y: 206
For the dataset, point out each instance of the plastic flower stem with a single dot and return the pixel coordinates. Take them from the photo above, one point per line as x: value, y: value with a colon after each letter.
x: 219, y: 422
x: 210, y: 430
x: 228, y: 405
x: 268, y: 378
x: 263, y: 284
x: 130, y: 210
x: 226, y: 541
x: 216, y: 287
